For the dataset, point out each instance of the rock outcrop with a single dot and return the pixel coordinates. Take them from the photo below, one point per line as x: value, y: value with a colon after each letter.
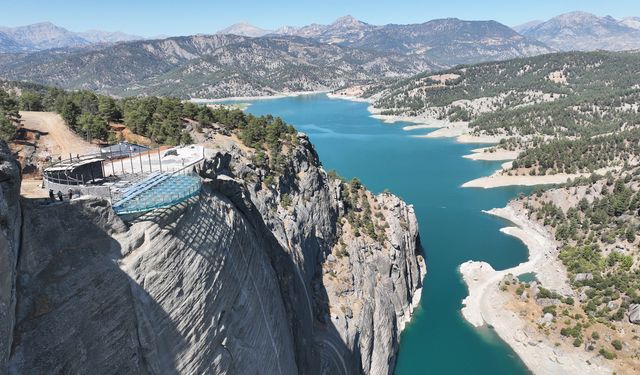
x: 634, y: 314
x: 245, y: 278
x: 10, y: 221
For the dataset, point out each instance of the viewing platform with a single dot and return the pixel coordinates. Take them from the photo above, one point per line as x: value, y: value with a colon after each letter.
x: 164, y: 190
x: 134, y: 179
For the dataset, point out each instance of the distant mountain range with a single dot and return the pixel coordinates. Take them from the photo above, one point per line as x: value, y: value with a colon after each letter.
x: 244, y: 60
x: 570, y: 31
x: 316, y: 57
x: 345, y: 30
x: 443, y: 42
x: 585, y: 32
x: 43, y: 36
x: 209, y: 66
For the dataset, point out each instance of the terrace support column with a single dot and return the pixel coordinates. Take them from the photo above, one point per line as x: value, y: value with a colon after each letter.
x: 160, y: 159
x: 131, y: 160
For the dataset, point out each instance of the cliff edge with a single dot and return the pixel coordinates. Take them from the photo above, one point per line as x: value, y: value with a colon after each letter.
x: 295, y: 272
x: 10, y: 223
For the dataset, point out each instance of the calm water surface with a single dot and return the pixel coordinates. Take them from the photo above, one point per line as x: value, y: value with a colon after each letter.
x: 426, y: 173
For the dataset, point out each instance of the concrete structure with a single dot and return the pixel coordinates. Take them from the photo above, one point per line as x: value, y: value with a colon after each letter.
x: 148, y: 180
x: 76, y: 171
x: 122, y: 150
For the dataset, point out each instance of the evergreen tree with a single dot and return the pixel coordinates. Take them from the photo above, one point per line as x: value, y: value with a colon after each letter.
x: 70, y: 112
x: 108, y: 109
x: 31, y: 101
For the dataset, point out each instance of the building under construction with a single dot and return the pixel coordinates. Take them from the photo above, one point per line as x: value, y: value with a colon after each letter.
x: 134, y: 182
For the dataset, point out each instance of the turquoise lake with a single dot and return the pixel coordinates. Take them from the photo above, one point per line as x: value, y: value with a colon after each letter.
x: 426, y: 173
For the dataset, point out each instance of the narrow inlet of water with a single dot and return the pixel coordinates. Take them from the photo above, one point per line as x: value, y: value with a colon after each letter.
x: 426, y: 173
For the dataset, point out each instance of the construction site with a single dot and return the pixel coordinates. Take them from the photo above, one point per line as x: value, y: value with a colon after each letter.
x: 134, y: 178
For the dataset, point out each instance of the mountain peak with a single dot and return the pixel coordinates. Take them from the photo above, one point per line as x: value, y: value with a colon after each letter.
x: 585, y: 31
x: 348, y: 20
x: 42, y: 24
x: 38, y: 28
x: 46, y: 35
x: 576, y: 14
x: 244, y: 29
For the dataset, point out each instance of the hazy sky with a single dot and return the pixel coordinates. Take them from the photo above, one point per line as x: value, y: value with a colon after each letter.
x: 184, y: 17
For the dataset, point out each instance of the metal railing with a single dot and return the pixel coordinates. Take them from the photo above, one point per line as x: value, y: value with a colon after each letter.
x: 143, y: 203
x: 79, y: 190
x: 110, y: 188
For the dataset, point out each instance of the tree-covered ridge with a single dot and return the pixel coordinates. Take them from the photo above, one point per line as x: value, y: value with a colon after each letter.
x: 581, y: 155
x: 9, y: 116
x: 585, y: 74
x: 161, y: 119
x: 572, y: 115
x: 209, y: 66
x: 89, y: 114
x: 595, y: 221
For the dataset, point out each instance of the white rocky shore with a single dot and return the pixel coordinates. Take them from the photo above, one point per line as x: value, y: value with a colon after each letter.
x: 486, y: 154
x: 486, y: 302
x: 279, y: 95
x: 444, y: 129
x: 500, y: 180
x: 461, y: 132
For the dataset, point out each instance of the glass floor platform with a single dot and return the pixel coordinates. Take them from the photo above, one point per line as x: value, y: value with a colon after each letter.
x: 158, y: 191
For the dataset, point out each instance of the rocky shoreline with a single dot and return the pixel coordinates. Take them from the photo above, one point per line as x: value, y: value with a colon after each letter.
x: 501, y: 180
x: 485, y: 304
x: 488, y: 154
x: 264, y: 97
x: 443, y: 128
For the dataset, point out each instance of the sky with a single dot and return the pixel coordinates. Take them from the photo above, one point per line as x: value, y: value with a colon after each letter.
x: 186, y: 17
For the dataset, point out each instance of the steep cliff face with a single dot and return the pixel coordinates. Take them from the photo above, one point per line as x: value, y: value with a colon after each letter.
x: 352, y: 294
x: 10, y: 220
x: 246, y: 278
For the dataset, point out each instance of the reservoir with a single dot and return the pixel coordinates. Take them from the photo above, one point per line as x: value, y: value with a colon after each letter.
x: 426, y: 173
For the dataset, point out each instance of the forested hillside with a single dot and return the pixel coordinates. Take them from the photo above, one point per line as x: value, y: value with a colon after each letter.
x: 445, y: 42
x: 584, y: 75
x: 571, y: 111
x: 595, y: 222
x: 9, y: 116
x: 209, y: 66
x: 164, y: 120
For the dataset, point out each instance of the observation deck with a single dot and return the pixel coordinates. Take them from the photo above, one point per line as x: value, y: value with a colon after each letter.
x: 134, y: 182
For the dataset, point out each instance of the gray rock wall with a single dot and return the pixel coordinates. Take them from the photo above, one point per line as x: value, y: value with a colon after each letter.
x: 10, y: 222
x: 231, y: 282
x: 188, y: 290
x: 384, y: 277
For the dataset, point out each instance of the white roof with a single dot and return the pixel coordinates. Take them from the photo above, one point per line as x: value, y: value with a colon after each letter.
x: 66, y: 166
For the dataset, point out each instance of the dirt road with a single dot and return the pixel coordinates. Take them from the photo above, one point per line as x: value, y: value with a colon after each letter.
x: 58, y: 140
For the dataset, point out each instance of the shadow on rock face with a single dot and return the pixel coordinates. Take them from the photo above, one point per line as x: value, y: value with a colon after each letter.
x: 218, y: 260
x: 212, y: 285
x: 77, y: 311
x: 318, y: 347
